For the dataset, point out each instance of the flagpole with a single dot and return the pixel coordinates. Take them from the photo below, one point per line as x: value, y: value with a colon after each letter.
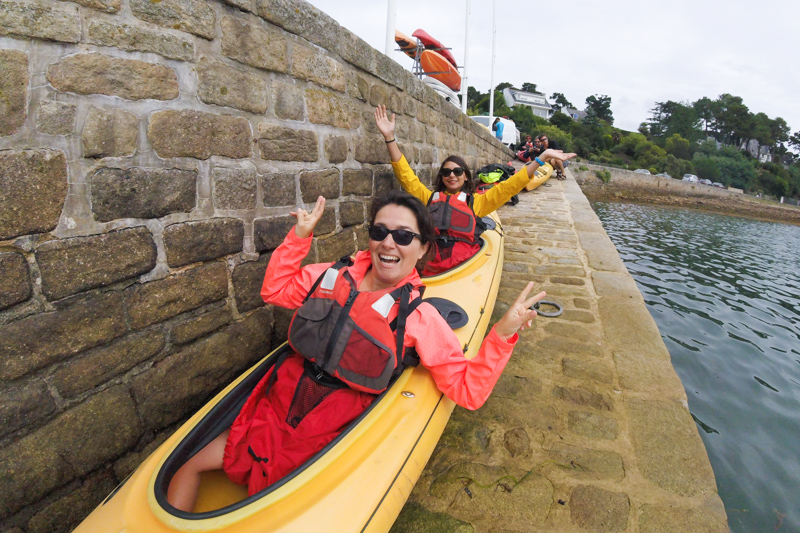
x: 391, y: 13
x: 464, y: 83
x: 494, y: 38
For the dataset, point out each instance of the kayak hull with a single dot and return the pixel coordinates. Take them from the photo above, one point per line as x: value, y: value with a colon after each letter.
x: 363, y: 478
x: 439, y: 68
x: 541, y: 175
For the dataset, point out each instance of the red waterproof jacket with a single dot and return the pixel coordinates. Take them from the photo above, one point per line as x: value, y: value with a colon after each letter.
x: 274, y: 434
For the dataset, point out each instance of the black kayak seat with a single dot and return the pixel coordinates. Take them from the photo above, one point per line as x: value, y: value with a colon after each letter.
x: 454, y: 314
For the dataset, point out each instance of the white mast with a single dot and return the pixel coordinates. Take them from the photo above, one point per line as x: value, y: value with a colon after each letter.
x: 390, y: 26
x: 464, y: 83
x: 491, y: 82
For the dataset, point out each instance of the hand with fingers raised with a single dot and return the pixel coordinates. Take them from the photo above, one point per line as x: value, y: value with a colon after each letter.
x: 307, y: 221
x: 520, y: 315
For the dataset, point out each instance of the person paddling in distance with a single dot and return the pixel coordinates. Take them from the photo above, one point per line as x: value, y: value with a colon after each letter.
x: 290, y: 417
x: 456, y: 210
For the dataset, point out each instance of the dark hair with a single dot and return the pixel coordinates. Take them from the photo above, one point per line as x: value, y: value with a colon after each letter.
x: 421, y: 213
x: 468, y: 186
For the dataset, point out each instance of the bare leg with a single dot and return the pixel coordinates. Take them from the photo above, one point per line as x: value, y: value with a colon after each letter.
x: 183, y: 488
x: 558, y: 165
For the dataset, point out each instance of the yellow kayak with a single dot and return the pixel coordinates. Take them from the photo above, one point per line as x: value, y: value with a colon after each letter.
x: 541, y: 175
x: 358, y: 483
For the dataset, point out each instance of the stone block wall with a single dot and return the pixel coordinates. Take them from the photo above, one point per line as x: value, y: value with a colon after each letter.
x: 150, y: 154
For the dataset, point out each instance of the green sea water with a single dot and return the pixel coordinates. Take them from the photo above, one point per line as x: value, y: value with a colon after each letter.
x: 725, y: 294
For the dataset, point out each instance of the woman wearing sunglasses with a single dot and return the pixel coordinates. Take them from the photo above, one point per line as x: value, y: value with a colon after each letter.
x: 265, y: 441
x: 455, y: 208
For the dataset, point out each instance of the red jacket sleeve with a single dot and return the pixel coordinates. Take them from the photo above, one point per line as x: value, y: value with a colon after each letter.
x: 286, y: 283
x: 468, y: 382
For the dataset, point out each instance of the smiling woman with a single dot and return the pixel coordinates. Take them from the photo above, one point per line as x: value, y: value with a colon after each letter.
x: 455, y: 210
x: 355, y: 326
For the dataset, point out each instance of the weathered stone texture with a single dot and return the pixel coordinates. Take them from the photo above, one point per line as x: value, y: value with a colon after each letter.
x: 191, y: 242
x: 270, y: 232
x: 73, y: 265
x: 183, y: 381
x: 24, y: 404
x: 351, y: 213
x: 131, y: 38
x: 371, y: 150
x: 220, y: 84
x: 193, y: 16
x: 667, y: 519
x: 357, y: 182
x: 592, y: 425
x: 34, y: 185
x: 327, y: 222
x: 580, y: 368
x: 247, y: 280
x: 159, y: 300
x: 313, y: 66
x: 356, y: 51
x: 391, y: 71
x: 109, y: 133
x: 36, y: 341
x: 200, y: 325
x: 130, y: 79
x: 103, y: 364
x: 279, y: 190
x: 15, y: 281
x: 300, y: 18
x: 70, y: 446
x: 50, y: 23
x: 668, y: 449
x: 254, y: 46
x: 332, y: 109
x: 584, y: 397
x: 317, y: 183
x: 589, y: 464
x: 142, y: 192
x: 68, y: 511
x: 199, y: 135
x: 286, y: 144
x: 334, y: 247
x: 289, y: 101
x: 13, y: 89
x: 336, y: 149
x: 234, y: 188
x: 56, y: 118
x: 599, y: 510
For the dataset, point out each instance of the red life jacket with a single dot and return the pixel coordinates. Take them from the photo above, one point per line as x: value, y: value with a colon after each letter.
x: 347, y: 333
x: 457, y: 230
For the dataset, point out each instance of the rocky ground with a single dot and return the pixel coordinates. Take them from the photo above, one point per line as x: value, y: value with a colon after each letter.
x: 731, y: 204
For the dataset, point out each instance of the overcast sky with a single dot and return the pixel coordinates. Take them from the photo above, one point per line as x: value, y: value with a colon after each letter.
x: 638, y: 52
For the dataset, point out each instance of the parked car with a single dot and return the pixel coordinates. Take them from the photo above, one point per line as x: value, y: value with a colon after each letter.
x: 510, y: 132
x: 691, y: 178
x: 718, y: 184
x: 642, y: 171
x: 705, y: 181
x: 663, y: 175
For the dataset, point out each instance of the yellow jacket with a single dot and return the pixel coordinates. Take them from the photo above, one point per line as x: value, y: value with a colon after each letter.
x: 483, y: 204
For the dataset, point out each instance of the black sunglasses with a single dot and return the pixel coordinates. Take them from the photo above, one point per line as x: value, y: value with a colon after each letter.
x: 401, y: 237
x: 458, y: 171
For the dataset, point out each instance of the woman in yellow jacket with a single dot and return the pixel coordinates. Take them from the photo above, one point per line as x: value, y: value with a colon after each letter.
x: 454, y: 206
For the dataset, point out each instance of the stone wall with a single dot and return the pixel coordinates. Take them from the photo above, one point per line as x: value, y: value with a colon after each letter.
x: 150, y: 153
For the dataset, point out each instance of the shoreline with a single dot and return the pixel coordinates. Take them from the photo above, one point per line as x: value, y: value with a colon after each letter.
x: 625, y: 186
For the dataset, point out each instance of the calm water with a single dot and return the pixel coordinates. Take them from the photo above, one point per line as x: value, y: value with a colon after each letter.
x: 725, y: 293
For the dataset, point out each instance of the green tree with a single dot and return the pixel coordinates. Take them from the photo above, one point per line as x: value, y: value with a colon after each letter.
x: 733, y: 120
x: 562, y: 121
x: 559, y: 102
x: 678, y: 146
x: 704, y: 109
x: 474, y: 96
x: 525, y: 120
x: 599, y: 106
x: 669, y: 118
x: 794, y: 140
x: 529, y: 87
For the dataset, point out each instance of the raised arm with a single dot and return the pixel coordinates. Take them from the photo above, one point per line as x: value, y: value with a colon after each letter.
x: 546, y: 157
x: 387, y: 127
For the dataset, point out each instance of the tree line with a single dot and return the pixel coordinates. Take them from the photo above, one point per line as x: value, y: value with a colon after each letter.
x: 708, y: 137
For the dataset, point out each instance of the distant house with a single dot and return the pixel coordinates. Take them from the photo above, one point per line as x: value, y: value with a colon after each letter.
x: 576, y: 114
x: 536, y: 101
